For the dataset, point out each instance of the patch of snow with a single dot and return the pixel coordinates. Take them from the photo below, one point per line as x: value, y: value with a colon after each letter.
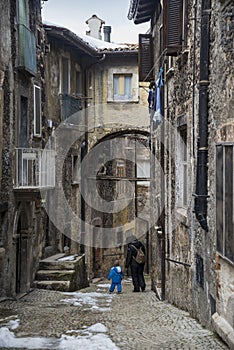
x: 13, y: 324
x: 87, y: 341
x: 68, y: 258
x: 98, y: 328
x: 8, y: 340
x: 90, y: 342
x: 103, y: 285
x: 93, y: 42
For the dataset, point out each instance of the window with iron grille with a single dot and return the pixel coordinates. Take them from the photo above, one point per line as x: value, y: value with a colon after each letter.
x: 225, y: 200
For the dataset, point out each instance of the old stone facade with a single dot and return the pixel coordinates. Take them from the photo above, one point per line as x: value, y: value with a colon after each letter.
x: 61, y: 96
x: 192, y: 203
x: 100, y: 118
x: 23, y: 222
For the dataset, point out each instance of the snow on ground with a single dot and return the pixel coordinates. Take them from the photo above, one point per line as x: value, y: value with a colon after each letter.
x: 90, y: 338
x: 91, y: 299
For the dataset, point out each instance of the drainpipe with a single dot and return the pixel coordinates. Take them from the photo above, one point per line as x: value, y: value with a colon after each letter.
x: 83, y: 153
x: 202, y: 153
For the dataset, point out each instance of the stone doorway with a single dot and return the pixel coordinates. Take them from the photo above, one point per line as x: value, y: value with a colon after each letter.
x: 22, y: 242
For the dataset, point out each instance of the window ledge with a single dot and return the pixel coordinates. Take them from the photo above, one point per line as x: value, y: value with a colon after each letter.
x: 225, y: 259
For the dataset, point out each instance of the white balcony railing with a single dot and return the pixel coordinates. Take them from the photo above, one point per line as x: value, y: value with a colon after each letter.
x: 35, y: 168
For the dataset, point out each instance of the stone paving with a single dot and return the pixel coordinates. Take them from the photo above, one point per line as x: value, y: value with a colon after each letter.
x: 133, y: 320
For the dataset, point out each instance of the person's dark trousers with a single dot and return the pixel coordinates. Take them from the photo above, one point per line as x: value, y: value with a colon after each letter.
x: 138, y: 279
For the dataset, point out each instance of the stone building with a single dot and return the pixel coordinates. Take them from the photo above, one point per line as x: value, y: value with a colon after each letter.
x: 192, y: 223
x: 23, y: 132
x: 100, y: 129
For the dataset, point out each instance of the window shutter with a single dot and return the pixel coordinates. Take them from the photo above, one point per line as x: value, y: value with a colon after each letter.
x: 145, y: 57
x: 173, y: 13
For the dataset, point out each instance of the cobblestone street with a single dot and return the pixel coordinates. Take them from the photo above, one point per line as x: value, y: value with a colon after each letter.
x: 130, y: 321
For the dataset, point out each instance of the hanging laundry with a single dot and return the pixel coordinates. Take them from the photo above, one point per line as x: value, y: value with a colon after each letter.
x: 157, y: 118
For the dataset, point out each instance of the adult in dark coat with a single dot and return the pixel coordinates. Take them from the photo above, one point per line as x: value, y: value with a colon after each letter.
x: 137, y: 270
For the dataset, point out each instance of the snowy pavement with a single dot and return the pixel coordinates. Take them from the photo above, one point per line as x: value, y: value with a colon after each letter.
x: 94, y: 319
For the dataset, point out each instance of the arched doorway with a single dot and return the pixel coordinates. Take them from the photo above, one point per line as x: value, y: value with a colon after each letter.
x: 118, y: 167
x: 22, y: 244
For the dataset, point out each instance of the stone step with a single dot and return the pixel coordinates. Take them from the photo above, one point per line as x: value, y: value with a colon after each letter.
x: 54, y: 275
x: 54, y: 263
x: 62, y: 286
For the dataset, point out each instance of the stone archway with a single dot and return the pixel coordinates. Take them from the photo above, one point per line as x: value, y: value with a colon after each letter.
x: 110, y: 178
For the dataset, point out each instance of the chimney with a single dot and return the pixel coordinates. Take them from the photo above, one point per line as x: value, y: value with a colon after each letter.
x: 107, y: 32
x: 95, y: 25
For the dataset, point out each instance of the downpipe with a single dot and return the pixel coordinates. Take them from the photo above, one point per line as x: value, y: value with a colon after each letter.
x: 202, y: 152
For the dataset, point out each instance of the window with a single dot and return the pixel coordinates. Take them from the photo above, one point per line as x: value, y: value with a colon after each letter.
x: 78, y: 84
x: 37, y: 110
x: 122, y: 87
x: 23, y: 13
x: 225, y: 200
x: 182, y: 171
x: 174, y: 19
x: 27, y: 42
x: 75, y: 169
x: 65, y: 76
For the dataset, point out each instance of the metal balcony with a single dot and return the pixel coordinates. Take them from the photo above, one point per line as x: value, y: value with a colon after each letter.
x: 70, y: 105
x: 35, y: 169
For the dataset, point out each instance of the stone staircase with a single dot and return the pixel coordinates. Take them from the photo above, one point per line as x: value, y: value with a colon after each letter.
x: 63, y: 273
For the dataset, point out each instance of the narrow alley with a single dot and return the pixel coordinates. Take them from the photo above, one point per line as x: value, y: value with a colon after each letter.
x: 92, y: 318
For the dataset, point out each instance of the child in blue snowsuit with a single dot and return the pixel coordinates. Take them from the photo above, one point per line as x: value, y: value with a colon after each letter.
x: 116, y: 275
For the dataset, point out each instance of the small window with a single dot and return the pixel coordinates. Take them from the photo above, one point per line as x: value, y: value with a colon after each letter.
x: 65, y: 76
x: 225, y: 200
x: 38, y: 38
x: 37, y: 110
x: 78, y: 83
x: 122, y: 87
x: 75, y: 169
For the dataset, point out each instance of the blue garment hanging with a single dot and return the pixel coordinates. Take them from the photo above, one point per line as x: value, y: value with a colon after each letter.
x: 157, y: 118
